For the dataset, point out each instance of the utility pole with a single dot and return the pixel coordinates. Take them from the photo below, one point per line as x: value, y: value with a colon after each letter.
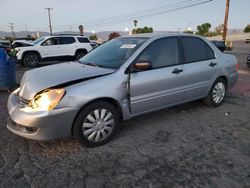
x: 26, y: 30
x: 224, y: 34
x: 50, y: 26
x: 12, y: 29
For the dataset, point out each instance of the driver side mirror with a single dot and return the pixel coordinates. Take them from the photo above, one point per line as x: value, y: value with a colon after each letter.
x: 142, y: 65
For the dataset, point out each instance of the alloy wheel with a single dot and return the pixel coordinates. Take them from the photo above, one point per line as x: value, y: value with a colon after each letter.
x: 219, y: 92
x: 31, y: 59
x: 98, y: 125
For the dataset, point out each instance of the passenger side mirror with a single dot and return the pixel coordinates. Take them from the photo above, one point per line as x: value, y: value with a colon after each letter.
x: 142, y: 65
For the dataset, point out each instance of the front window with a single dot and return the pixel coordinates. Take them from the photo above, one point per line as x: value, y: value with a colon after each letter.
x: 113, y: 53
x: 38, y: 41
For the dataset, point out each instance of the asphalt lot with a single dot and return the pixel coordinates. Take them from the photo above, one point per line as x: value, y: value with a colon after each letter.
x: 185, y: 146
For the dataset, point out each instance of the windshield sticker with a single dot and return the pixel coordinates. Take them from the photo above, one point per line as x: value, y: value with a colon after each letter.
x: 129, y: 46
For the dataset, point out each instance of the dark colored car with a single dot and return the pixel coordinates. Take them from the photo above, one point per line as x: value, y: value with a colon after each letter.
x: 219, y: 44
x: 21, y: 43
x: 94, y: 44
x: 247, y: 40
x: 248, y: 61
x: 6, y: 45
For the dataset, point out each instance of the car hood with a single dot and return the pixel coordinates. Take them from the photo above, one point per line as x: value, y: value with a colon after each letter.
x: 62, y: 74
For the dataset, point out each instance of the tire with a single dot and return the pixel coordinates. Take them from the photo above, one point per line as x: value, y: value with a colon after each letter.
x: 31, y: 59
x: 79, y: 54
x: 217, y: 93
x: 89, y: 127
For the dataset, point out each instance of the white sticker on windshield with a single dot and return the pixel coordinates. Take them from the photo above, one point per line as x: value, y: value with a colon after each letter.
x: 129, y: 46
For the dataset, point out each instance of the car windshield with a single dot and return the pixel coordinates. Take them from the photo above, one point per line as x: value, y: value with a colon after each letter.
x: 38, y: 41
x: 113, y: 53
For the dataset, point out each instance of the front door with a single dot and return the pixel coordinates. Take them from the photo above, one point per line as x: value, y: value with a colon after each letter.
x: 162, y: 85
x: 49, y: 48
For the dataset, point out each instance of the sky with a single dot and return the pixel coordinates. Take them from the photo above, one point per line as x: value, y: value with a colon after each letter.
x: 69, y: 14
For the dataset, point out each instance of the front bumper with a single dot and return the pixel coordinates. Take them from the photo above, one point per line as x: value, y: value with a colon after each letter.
x: 44, y: 125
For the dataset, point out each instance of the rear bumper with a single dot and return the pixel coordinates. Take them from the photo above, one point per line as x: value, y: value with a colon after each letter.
x: 232, y: 79
x: 44, y: 125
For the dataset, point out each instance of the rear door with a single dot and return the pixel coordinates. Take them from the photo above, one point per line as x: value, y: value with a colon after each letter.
x: 163, y: 84
x: 200, y: 66
x: 66, y: 46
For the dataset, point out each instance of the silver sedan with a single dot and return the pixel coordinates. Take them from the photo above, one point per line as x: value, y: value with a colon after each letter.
x: 121, y: 79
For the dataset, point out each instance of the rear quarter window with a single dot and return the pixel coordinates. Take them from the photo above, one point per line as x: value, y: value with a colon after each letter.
x: 196, y: 49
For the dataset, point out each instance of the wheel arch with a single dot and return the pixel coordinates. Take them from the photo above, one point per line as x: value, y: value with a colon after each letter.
x: 81, y: 49
x: 31, y: 51
x: 224, y: 78
x: 106, y: 99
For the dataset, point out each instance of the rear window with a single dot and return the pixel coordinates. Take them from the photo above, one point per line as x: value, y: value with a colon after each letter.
x: 196, y: 49
x: 83, y: 40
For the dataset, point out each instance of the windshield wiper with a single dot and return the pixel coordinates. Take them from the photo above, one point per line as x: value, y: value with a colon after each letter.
x: 95, y: 65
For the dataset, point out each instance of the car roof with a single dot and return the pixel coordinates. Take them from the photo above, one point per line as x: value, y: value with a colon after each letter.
x: 46, y: 37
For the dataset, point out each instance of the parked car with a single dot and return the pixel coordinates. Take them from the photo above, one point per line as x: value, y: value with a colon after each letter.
x: 94, y: 44
x: 247, y: 40
x: 219, y: 44
x: 21, y: 43
x: 5, y: 44
x: 119, y: 80
x: 53, y: 48
x: 248, y: 61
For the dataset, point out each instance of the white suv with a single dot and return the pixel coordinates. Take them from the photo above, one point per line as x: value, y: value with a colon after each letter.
x: 62, y: 47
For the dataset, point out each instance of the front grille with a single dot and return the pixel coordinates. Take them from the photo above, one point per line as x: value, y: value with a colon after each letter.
x: 21, y: 100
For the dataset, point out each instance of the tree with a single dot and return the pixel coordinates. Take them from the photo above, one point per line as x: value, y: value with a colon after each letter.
x: 188, y: 32
x: 203, y: 29
x: 143, y: 30
x: 114, y: 35
x: 93, y: 37
x: 218, y: 29
x: 247, y: 28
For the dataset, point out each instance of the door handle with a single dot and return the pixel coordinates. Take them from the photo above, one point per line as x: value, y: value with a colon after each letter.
x: 212, y: 64
x: 177, y: 71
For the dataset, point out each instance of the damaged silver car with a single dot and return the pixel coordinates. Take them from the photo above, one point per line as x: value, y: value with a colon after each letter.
x: 121, y: 79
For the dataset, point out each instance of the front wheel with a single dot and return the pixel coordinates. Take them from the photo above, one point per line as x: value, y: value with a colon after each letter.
x: 31, y: 60
x: 217, y: 93
x: 96, y: 124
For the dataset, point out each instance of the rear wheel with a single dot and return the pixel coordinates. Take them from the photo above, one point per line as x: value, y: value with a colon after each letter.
x: 96, y: 124
x: 217, y: 93
x: 31, y: 59
x: 80, y: 53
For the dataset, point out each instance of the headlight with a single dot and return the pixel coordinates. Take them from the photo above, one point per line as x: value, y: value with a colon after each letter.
x: 47, y: 100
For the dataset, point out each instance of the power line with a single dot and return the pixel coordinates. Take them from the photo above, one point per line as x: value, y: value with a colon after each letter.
x: 142, y: 14
x: 147, y: 15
